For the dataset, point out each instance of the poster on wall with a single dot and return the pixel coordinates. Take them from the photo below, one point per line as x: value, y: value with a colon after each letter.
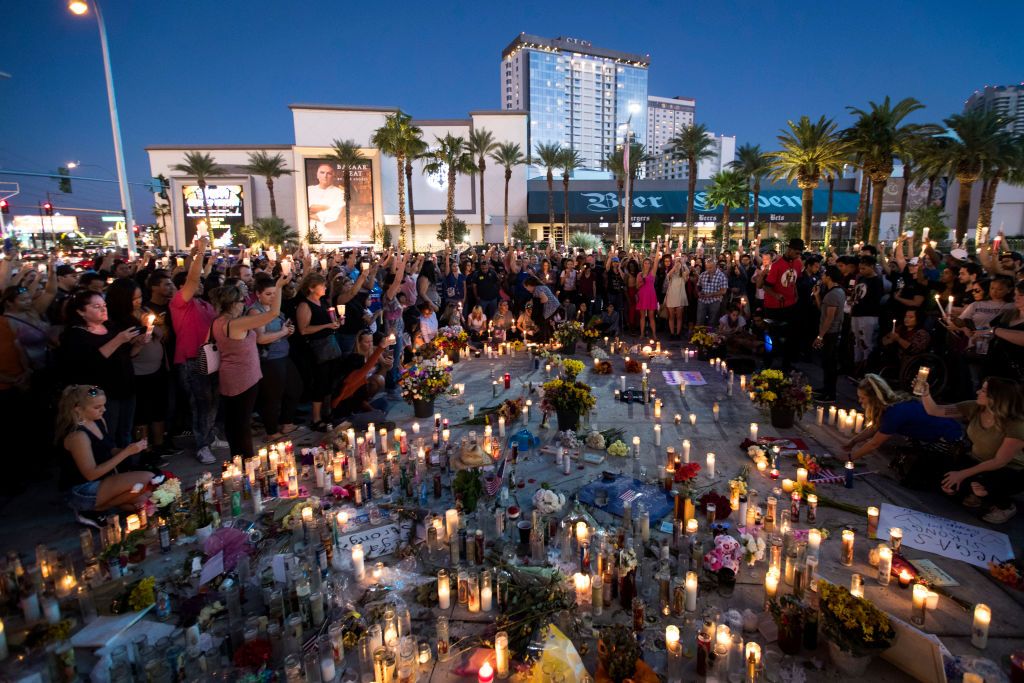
x: 226, y: 206
x: 325, y: 199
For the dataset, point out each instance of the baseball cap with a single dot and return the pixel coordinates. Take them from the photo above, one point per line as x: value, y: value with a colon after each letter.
x: 615, y: 259
x: 959, y: 254
x: 64, y: 269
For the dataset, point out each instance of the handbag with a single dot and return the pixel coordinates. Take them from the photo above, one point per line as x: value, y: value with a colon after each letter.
x: 208, y: 360
x: 325, y: 349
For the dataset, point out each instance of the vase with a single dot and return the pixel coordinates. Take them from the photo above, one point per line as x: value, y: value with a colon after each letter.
x: 568, y: 420
x: 848, y: 663
x: 454, y: 356
x: 627, y: 589
x: 726, y: 582
x: 791, y: 634
x: 422, y: 407
x: 782, y: 417
x: 569, y: 348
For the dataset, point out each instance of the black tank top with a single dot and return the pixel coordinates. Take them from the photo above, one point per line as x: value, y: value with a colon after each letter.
x: 102, y: 451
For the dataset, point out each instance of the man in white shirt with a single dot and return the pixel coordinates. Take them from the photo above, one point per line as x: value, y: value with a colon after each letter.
x: 326, y: 200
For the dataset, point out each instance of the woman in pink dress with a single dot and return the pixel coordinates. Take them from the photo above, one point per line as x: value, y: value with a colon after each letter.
x: 647, y: 298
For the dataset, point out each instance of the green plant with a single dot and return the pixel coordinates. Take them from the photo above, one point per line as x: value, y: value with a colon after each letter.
x: 931, y: 217
x: 456, y: 236
x: 467, y: 487
x: 270, y: 233
x: 521, y: 231
x: 567, y: 397
x: 618, y: 651
x: 853, y: 624
x: 584, y: 240
x: 774, y: 388
x: 346, y: 155
x: 385, y: 236
x: 270, y: 167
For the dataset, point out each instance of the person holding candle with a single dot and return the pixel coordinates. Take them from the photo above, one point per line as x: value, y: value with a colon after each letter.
x: 545, y: 306
x: 280, y: 387
x: 88, y: 468
x: 1006, y: 350
x: 909, y: 339
x: 319, y: 348
x: 675, y: 297
x: 993, y: 471
x: 647, y: 298
x: 362, y: 379
x: 831, y: 300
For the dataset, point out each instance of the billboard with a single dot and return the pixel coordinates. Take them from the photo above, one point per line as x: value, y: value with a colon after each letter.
x: 325, y: 199
x: 226, y: 205
x: 916, y: 197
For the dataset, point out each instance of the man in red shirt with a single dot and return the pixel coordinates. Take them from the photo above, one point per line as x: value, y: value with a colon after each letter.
x: 780, y: 299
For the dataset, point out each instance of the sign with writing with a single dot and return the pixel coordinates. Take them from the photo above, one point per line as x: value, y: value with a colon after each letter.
x: 222, y: 212
x: 379, y: 540
x: 688, y: 377
x: 955, y: 540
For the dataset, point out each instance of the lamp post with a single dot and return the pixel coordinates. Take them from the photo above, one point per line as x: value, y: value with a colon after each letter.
x: 634, y: 108
x: 79, y: 8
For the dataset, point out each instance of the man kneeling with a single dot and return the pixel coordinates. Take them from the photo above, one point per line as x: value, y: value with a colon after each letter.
x: 360, y: 398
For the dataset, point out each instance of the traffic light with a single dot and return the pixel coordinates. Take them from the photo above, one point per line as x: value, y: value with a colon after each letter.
x: 48, y: 208
x: 64, y: 182
x: 159, y: 186
x: 5, y: 207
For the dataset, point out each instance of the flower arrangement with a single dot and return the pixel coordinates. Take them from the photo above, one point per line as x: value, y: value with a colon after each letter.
x: 603, y: 367
x: 773, y: 388
x: 592, y: 331
x: 704, y: 338
x: 753, y: 547
x: 598, y: 353
x: 633, y: 366
x: 295, y: 512
x: 619, y: 652
x: 738, y: 485
x: 854, y: 624
x: 595, y: 440
x: 618, y: 449
x: 166, y: 493
x: 142, y: 595
x: 560, y: 395
x: 568, y: 333
x: 510, y: 409
x: 548, y: 502
x: 1008, y: 573
x: 424, y: 381
x: 686, y: 473
x: 571, y: 368
x: 567, y: 439
x: 808, y: 461
x: 758, y: 454
x: 627, y: 561
x: 722, y: 504
x: 726, y: 554
x: 451, y: 339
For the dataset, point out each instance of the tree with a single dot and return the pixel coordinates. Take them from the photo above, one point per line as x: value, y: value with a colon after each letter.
x: 584, y: 240
x: 415, y: 149
x: 393, y: 139
x: 346, y: 155
x: 508, y: 155
x: 270, y: 233
x: 549, y: 155
x: 521, y: 231
x: 161, y: 212
x: 453, y: 235
x: 1007, y: 155
x: 569, y: 160
x: 753, y: 164
x: 978, y: 138
x: 270, y: 167
x: 481, y: 143
x: 931, y: 217
x: 693, y: 143
x: 615, y: 163
x: 878, y: 134
x: 728, y: 189
x: 808, y: 150
x: 201, y: 166
x: 450, y: 158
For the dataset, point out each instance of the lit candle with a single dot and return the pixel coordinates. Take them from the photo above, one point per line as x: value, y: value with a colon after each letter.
x: 762, y: 466
x: 657, y: 435
x: 133, y: 523
x: 636, y: 446
x: 933, y: 600
x: 501, y: 654
x: 922, y: 380
x: 771, y: 584
x: 812, y: 508
x: 847, y: 555
x: 872, y: 522
x: 801, y: 475
x: 3, y: 642
x: 832, y: 415
x: 341, y: 310
x: 693, y: 420
x: 895, y: 538
x: 753, y: 431
x: 711, y: 464
x: 415, y: 428
x: 307, y: 515
x: 858, y: 424
x: 501, y: 426
x: 820, y: 415
x: 905, y: 578
x: 813, y: 542
x: 671, y: 637
x: 979, y: 629
x: 884, y: 565
x: 582, y: 582
x: 682, y: 388
x: 150, y: 320
x: 686, y: 451
x: 691, y: 591
x: 678, y: 419
x: 486, y: 673
x: 472, y: 410
x: 714, y: 410
x: 486, y: 597
x: 691, y: 526
x: 657, y: 409
x: 787, y: 485
x: 743, y: 382
x: 753, y: 661
x: 451, y: 520
x: 622, y: 382
x: 919, y: 605
x: 856, y: 585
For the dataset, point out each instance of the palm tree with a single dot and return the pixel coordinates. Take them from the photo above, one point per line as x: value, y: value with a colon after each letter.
x: 933, y: 162
x: 346, y: 154
x: 878, y: 134
x: 270, y: 167
x: 481, y: 143
x: 450, y: 158
x: 507, y: 155
x: 615, y: 163
x: 393, y: 139
x: 1006, y: 155
x: 979, y: 137
x: 693, y: 143
x: 549, y: 155
x: 200, y: 165
x: 161, y: 211
x: 753, y: 164
x: 569, y: 160
x: 270, y: 233
x: 415, y: 149
x: 808, y: 150
x: 727, y: 189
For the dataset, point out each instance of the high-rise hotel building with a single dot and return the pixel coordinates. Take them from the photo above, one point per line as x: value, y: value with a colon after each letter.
x: 575, y: 94
x: 1007, y: 100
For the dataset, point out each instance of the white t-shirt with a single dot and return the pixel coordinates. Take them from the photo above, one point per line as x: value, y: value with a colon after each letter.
x: 332, y: 197
x: 982, y: 313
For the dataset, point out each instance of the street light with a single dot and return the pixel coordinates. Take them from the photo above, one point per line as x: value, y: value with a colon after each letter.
x: 80, y: 8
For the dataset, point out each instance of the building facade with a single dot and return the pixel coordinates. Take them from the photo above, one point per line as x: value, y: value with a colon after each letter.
x: 575, y: 94
x: 666, y: 117
x: 1007, y: 100
x: 313, y: 198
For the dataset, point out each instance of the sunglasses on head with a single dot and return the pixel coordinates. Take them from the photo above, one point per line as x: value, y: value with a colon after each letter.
x: 92, y: 391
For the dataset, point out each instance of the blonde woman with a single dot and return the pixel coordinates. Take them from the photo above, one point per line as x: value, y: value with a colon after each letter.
x: 675, y: 297
x: 476, y: 324
x: 993, y: 472
x: 88, y: 469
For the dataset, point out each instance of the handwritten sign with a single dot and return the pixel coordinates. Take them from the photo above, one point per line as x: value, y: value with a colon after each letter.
x: 379, y: 540
x: 689, y: 377
x: 931, y: 533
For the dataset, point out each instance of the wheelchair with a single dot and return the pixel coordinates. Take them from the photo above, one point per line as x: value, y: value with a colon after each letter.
x: 901, y: 373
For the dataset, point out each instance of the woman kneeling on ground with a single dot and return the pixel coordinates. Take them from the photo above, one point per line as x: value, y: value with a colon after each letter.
x: 88, y: 470
x: 994, y: 470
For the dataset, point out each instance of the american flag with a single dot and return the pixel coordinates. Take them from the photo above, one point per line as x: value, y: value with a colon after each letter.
x: 493, y: 484
x: 827, y: 476
x: 629, y: 496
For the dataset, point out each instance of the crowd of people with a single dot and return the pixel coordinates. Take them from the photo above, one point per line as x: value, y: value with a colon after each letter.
x: 122, y: 352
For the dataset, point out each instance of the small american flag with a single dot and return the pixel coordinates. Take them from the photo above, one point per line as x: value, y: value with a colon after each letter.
x: 827, y: 476
x: 629, y: 496
x: 493, y: 484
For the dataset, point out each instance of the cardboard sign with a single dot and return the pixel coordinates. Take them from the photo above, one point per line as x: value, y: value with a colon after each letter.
x: 377, y: 541
x: 955, y: 540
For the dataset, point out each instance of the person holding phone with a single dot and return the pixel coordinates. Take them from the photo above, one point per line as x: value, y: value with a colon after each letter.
x: 362, y: 380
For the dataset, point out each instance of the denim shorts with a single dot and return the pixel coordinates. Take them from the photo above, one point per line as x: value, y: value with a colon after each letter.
x: 82, y: 497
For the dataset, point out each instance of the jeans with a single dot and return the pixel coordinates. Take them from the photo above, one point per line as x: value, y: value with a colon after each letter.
x: 830, y: 363
x: 238, y: 421
x: 707, y: 312
x: 279, y: 391
x: 202, y: 398
x: 120, y: 418
x: 490, y: 307
x: 865, y: 336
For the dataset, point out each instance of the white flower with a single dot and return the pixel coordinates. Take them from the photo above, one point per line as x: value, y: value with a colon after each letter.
x: 568, y: 439
x: 548, y: 502
x: 595, y: 440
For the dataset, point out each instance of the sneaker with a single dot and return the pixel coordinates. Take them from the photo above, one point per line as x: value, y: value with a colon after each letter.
x: 220, y: 443
x: 91, y: 518
x: 205, y: 456
x: 971, y: 501
x: 1000, y: 515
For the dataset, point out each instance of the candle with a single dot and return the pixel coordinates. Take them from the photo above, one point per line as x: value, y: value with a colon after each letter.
x: 678, y: 419
x: 691, y: 591
x: 691, y: 526
x: 508, y: 380
x: 848, y: 472
x: 921, y: 382
x: 813, y: 542
x: 307, y: 515
x: 501, y: 426
x: 884, y: 565
x: 582, y: 532
x: 486, y: 597
x: 801, y: 475
x: 753, y: 661
x: 133, y: 523
x: 787, y: 485
x: 451, y: 520
x: 933, y: 600
x: 771, y: 584
x: 711, y: 464
x: 693, y: 420
x: 743, y: 382
x: 858, y: 424
x: 905, y: 577
x: 762, y: 466
x: 682, y: 388
x: 895, y: 538
x: 686, y: 451
x: 501, y: 654
x: 714, y: 410
x: 857, y: 585
x: 847, y: 555
x: 486, y: 673
x: 919, y: 605
x: 444, y: 590
x: 657, y: 435
x: 657, y: 409
x: 51, y: 610
x: 820, y: 415
x: 979, y: 629
x: 582, y: 582
x: 812, y: 508
x: 472, y: 411
x: 753, y: 431
x: 872, y: 522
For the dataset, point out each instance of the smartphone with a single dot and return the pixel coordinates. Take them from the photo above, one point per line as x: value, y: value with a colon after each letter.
x: 908, y: 233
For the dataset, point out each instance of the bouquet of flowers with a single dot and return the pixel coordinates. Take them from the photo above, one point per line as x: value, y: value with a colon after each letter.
x: 686, y: 473
x: 568, y: 333
x: 704, y: 338
x: 592, y: 331
x: 565, y: 396
x: 571, y: 368
x: 1007, y: 572
x: 726, y: 554
x: 753, y: 547
x: 854, y: 624
x: 167, y: 493
x: 451, y: 339
x: 633, y: 366
x: 619, y: 449
x: 603, y: 367
x: 548, y: 502
x: 424, y: 380
x: 595, y: 440
x: 598, y: 353
x: 758, y: 454
x: 627, y: 561
x: 568, y: 440
x: 808, y: 462
x: 773, y: 388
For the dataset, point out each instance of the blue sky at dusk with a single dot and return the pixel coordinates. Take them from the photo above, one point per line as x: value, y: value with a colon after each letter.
x: 224, y: 71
